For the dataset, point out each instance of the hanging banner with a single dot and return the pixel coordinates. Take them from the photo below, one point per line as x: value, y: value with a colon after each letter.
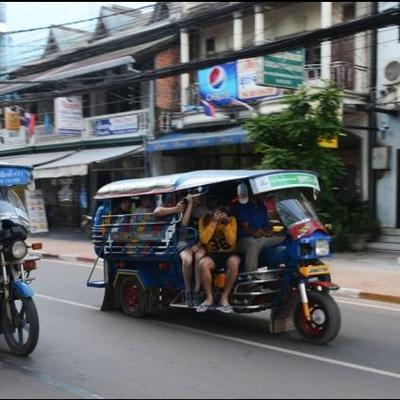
x: 36, y: 211
x: 13, y: 120
x: 68, y: 115
x: 121, y: 125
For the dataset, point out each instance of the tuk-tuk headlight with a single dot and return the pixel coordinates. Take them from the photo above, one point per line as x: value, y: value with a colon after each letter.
x: 19, y: 250
x: 322, y: 248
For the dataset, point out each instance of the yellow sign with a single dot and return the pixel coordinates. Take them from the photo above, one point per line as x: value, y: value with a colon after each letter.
x: 330, y: 144
x: 13, y: 120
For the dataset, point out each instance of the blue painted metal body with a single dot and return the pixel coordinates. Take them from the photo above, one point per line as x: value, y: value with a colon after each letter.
x: 21, y: 289
x: 152, y: 275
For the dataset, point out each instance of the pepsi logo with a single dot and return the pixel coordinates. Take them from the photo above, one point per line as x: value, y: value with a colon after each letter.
x: 217, y: 77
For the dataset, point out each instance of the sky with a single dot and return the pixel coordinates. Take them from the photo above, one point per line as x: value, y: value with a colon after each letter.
x: 23, y: 15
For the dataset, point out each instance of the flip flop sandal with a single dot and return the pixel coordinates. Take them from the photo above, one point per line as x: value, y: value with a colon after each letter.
x: 226, y: 309
x: 204, y: 307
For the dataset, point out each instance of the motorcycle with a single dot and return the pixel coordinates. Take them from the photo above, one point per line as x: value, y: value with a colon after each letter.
x: 19, y: 321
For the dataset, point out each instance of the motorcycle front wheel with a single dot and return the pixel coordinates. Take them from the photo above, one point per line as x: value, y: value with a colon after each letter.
x: 325, y: 319
x: 22, y: 331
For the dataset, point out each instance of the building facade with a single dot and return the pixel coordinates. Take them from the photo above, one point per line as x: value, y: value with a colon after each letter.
x: 387, y: 153
x: 152, y: 128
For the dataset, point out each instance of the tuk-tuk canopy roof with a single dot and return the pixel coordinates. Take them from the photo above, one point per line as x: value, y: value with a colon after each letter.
x: 15, y: 175
x: 260, y: 181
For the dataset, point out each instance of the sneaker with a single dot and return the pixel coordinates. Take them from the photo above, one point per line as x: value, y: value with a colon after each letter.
x: 197, y: 299
x: 189, y: 299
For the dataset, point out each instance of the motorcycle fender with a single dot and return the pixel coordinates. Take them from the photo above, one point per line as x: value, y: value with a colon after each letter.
x: 324, y: 285
x: 21, y: 289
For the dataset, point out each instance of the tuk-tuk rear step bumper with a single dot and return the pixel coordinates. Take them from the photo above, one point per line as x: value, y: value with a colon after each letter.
x: 97, y: 284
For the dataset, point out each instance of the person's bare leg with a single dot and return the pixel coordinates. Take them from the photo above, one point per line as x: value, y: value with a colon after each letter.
x: 187, y: 269
x: 232, y: 273
x: 207, y: 266
x: 197, y: 257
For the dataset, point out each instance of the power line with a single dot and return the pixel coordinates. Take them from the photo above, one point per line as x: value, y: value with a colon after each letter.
x: 130, y: 11
x: 389, y: 17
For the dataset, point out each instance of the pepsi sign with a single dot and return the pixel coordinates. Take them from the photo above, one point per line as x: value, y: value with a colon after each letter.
x: 218, y: 85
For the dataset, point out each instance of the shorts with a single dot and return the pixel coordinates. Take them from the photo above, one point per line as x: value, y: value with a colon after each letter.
x: 182, y: 246
x: 220, y: 259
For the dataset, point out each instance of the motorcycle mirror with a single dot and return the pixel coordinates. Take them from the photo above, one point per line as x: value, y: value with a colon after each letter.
x: 243, y: 193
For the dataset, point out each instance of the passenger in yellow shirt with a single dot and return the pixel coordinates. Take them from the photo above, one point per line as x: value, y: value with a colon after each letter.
x: 218, y: 233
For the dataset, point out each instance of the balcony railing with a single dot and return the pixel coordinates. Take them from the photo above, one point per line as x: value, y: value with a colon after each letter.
x: 347, y: 76
x: 131, y: 123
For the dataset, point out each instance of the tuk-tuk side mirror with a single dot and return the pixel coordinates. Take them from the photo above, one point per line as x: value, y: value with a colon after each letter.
x: 243, y: 193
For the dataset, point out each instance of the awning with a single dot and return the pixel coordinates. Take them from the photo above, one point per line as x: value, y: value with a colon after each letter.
x: 202, y: 139
x: 36, y: 159
x: 77, y: 163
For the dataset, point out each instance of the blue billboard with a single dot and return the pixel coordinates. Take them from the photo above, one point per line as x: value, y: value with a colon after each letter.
x: 226, y: 84
x: 218, y: 85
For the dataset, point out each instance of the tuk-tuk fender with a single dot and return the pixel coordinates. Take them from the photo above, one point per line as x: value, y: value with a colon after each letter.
x: 145, y: 277
x: 21, y: 289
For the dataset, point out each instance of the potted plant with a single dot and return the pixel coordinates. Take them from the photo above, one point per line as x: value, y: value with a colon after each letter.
x: 362, y: 227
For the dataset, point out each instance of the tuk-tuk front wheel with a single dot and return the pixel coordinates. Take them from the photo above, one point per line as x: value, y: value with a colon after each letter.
x: 132, y: 297
x: 325, y: 319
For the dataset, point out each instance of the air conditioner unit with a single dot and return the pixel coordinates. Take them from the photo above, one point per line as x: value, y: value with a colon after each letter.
x: 390, y: 93
x: 391, y: 72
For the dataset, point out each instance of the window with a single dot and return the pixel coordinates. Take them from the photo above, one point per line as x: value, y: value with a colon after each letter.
x: 313, y: 55
x: 210, y: 45
x: 349, y: 12
x: 86, y: 105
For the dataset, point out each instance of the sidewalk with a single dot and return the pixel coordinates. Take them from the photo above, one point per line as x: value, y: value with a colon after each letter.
x: 371, y: 275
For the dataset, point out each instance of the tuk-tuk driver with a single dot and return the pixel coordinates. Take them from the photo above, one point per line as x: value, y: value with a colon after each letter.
x: 254, y: 233
x: 218, y: 232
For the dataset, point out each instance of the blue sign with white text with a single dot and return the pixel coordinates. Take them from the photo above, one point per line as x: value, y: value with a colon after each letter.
x: 14, y: 176
x: 218, y: 85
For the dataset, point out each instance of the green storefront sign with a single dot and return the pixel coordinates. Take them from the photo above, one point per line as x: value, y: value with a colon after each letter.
x: 284, y: 181
x: 284, y: 70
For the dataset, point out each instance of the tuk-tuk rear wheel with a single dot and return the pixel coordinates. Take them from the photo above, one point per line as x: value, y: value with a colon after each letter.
x: 132, y: 297
x: 326, y: 319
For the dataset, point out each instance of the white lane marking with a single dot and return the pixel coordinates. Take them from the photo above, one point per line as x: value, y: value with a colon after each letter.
x: 255, y: 344
x: 286, y: 351
x: 71, y: 303
x: 78, y: 264
x: 368, y: 305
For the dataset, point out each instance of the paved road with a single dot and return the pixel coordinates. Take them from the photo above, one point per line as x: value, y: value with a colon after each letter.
x: 84, y: 353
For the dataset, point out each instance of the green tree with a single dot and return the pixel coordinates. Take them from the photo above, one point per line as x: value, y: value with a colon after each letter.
x: 290, y: 139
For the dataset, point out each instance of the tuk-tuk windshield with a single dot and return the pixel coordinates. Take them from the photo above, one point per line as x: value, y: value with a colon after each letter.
x: 11, y: 207
x: 294, y: 208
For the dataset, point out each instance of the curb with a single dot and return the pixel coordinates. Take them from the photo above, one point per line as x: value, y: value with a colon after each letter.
x: 342, y: 292
x: 359, y: 294
x: 66, y: 257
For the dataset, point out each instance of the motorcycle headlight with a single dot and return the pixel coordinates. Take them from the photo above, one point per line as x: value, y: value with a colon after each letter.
x: 19, y: 250
x: 322, y: 248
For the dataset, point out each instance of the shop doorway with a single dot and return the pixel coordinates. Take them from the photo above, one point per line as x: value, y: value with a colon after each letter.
x: 63, y: 200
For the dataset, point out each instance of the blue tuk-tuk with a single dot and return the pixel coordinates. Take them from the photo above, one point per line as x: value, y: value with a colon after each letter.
x: 142, y: 268
x: 18, y: 314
